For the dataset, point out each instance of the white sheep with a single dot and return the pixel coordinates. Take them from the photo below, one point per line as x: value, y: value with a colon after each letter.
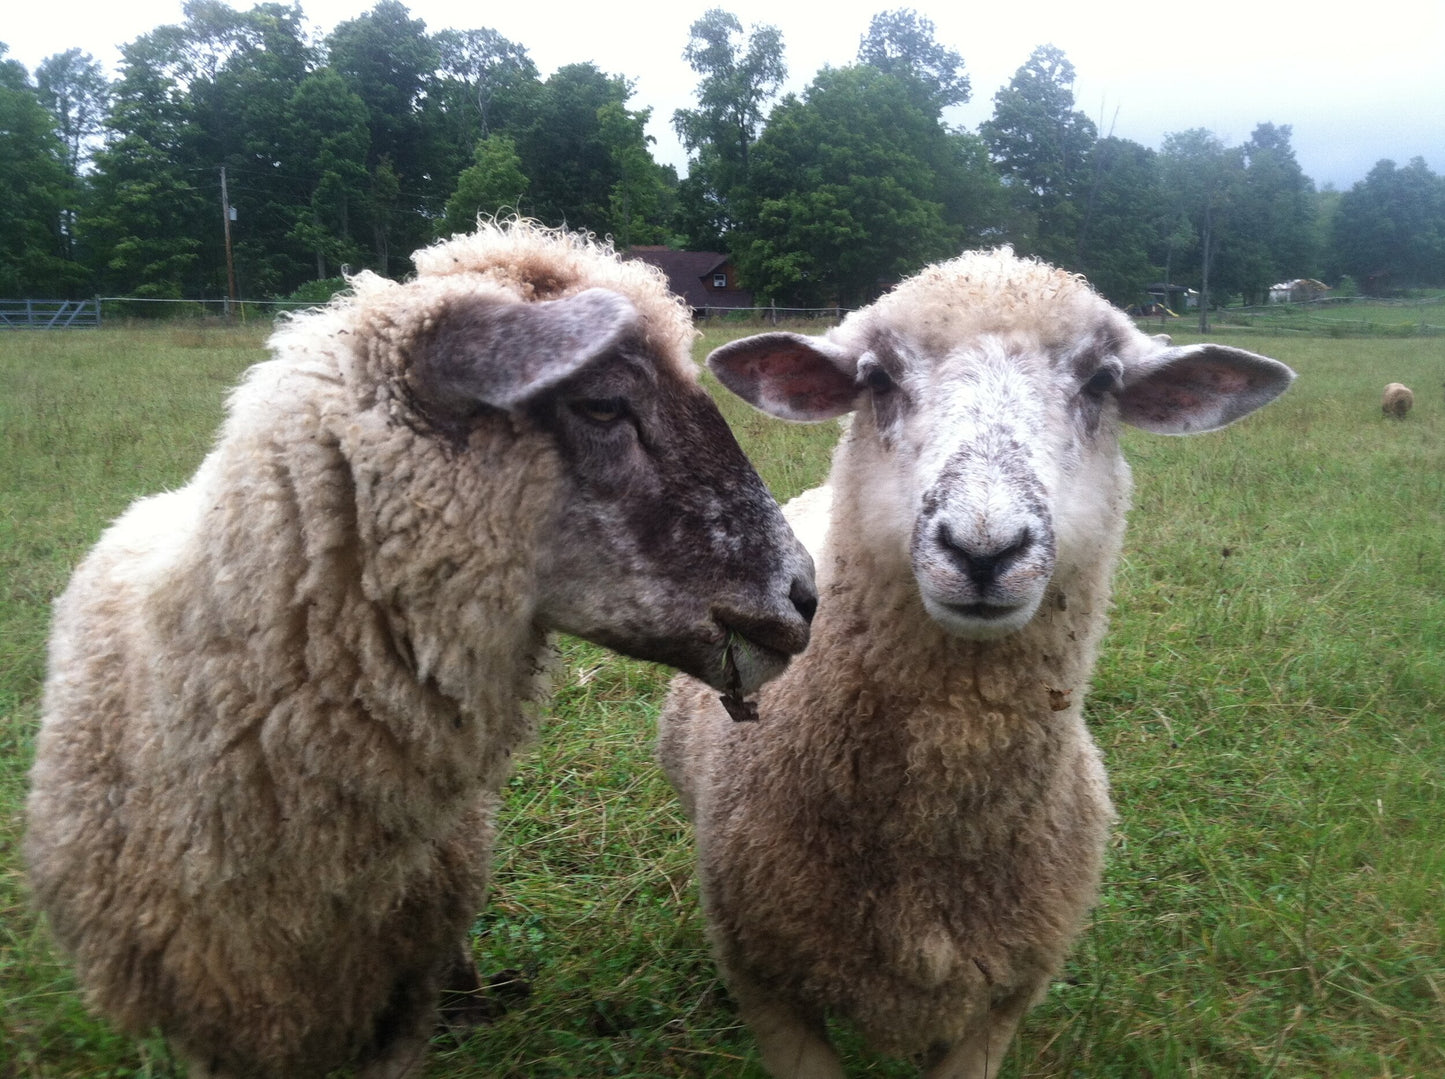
x: 912, y: 834
x: 1397, y: 400
x: 282, y: 700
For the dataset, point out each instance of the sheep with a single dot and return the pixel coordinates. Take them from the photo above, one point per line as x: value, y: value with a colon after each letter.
x: 1397, y: 400
x: 913, y: 832
x: 282, y: 700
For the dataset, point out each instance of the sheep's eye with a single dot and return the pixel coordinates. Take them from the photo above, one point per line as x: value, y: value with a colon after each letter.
x: 1104, y: 380
x: 878, y: 380
x: 603, y: 410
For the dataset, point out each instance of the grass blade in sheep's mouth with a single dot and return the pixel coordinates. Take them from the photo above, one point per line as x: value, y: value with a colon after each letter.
x: 741, y: 709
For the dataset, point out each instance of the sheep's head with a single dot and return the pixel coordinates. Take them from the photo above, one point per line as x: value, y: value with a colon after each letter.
x: 983, y: 457
x: 658, y: 539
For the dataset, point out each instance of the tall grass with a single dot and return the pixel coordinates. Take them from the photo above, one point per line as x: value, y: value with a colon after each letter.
x: 1269, y: 701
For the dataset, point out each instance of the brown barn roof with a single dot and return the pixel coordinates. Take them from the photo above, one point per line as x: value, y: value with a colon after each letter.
x: 690, y: 273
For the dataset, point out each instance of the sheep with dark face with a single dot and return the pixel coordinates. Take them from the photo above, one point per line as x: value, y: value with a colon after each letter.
x: 912, y: 835
x: 282, y: 700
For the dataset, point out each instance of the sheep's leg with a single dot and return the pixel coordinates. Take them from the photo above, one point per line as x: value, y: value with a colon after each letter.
x: 405, y: 1029
x: 793, y: 1044
x: 402, y: 1057
x: 981, y: 1054
x: 464, y: 1005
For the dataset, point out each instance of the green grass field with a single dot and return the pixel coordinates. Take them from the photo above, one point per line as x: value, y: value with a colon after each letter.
x: 1270, y: 701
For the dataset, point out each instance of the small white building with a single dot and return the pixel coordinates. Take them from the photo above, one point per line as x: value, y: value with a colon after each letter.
x: 1300, y: 290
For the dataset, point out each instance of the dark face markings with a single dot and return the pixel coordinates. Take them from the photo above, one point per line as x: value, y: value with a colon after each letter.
x: 667, y: 545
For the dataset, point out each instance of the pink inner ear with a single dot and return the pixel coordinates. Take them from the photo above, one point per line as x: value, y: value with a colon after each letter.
x: 1222, y: 377
x: 1206, y: 388
x: 790, y: 379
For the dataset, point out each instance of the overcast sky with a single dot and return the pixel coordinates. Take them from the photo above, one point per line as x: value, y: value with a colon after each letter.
x: 1357, y: 83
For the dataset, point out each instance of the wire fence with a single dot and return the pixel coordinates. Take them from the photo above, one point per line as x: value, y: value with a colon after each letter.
x: 771, y: 314
x: 1422, y: 317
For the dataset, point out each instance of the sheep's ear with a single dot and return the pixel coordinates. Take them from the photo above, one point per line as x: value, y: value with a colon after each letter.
x: 505, y: 354
x: 1194, y: 388
x: 788, y: 375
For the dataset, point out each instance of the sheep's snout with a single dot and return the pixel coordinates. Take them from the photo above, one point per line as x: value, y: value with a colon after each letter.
x: 984, y: 565
x: 982, y: 577
x: 758, y: 642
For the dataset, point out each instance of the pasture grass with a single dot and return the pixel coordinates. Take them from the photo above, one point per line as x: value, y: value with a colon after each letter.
x: 1269, y: 701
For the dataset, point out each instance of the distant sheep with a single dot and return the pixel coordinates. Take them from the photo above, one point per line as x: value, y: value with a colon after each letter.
x: 283, y: 699
x: 912, y: 834
x: 1397, y: 400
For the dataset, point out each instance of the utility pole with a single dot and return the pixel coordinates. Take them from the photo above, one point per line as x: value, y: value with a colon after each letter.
x: 226, y: 215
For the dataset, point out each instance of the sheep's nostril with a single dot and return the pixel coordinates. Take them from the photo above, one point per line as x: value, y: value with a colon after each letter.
x: 983, y: 566
x: 805, y: 599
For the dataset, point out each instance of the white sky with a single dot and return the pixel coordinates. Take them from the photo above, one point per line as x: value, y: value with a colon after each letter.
x: 1357, y: 83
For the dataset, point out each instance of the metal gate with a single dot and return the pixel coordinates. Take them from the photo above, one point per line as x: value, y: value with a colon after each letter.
x: 48, y: 314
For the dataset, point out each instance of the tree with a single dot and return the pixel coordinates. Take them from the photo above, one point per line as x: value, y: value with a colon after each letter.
x: 579, y: 145
x: 493, y: 182
x: 1123, y: 211
x: 738, y: 75
x: 1389, y: 229
x: 75, y: 90
x: 147, y: 210
x: 901, y: 43
x: 213, y: 92
x: 484, y: 85
x: 1041, y: 144
x: 72, y: 86
x: 243, y: 109
x: 852, y: 189
x: 1276, y: 235
x: 641, y: 197
x: 34, y: 185
x: 477, y: 69
x: 327, y: 139
x: 1202, y: 179
x: 144, y: 227
x: 388, y: 60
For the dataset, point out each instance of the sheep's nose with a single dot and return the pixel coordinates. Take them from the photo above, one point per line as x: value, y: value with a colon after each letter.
x: 983, y: 563
x: 804, y: 597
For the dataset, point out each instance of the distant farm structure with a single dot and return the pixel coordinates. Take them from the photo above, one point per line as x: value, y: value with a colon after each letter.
x: 1300, y: 290
x: 706, y: 280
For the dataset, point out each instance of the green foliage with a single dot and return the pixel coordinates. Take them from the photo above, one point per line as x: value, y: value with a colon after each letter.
x: 1280, y: 207
x: 349, y: 150
x: 320, y: 291
x: 642, y: 195
x: 901, y: 43
x: 853, y: 187
x: 74, y: 88
x: 34, y: 192
x: 1121, y: 217
x: 584, y: 153
x: 1389, y: 229
x: 738, y: 75
x: 387, y: 59
x: 1041, y: 143
x: 1267, y: 700
x: 493, y: 183
x: 480, y: 89
x: 1249, y: 212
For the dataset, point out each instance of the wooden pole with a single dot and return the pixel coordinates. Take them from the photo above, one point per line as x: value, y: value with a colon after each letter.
x: 230, y: 263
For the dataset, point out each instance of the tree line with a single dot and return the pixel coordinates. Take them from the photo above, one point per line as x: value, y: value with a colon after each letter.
x: 355, y: 149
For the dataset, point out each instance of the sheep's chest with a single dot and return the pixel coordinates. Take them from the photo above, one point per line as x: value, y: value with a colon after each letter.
x: 921, y: 902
